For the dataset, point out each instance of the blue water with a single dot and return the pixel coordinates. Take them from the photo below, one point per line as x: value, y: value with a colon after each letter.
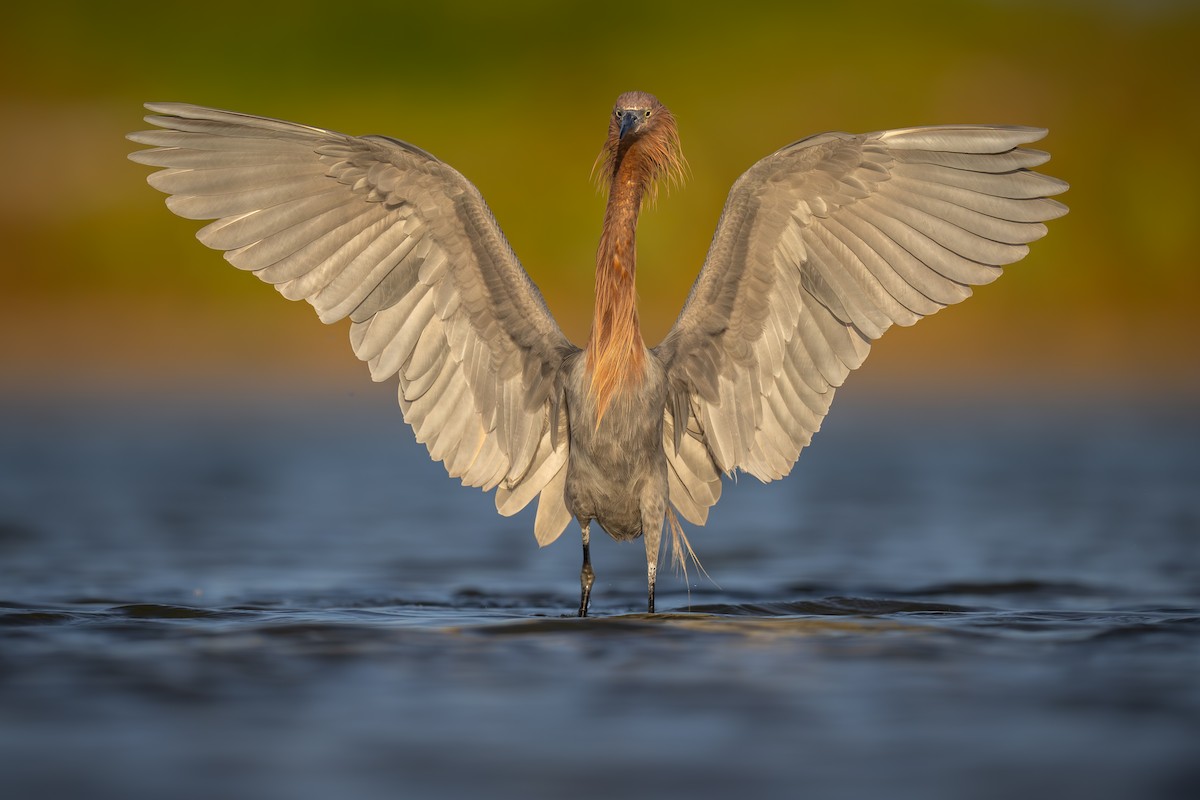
x: 285, y: 599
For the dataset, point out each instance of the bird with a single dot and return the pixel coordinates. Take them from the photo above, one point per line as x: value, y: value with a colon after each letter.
x: 821, y: 247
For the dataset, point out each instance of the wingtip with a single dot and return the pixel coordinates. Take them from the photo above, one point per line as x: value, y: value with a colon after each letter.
x: 963, y: 138
x: 166, y: 107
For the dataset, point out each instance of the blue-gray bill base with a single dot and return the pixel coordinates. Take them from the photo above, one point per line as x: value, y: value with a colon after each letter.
x: 822, y: 246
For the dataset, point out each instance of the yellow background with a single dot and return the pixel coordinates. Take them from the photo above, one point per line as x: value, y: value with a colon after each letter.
x: 105, y: 290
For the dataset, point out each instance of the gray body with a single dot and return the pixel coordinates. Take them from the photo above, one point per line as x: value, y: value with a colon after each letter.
x: 617, y: 473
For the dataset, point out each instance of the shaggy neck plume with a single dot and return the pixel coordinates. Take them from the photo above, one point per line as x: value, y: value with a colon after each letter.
x: 633, y: 162
x: 616, y: 354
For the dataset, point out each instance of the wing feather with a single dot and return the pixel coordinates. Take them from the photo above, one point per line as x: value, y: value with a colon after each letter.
x: 296, y: 251
x: 229, y: 204
x: 693, y: 481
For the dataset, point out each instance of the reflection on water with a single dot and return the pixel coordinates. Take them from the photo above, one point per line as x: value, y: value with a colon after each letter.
x: 210, y: 602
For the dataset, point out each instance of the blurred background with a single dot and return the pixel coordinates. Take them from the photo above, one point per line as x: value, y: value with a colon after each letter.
x: 106, y: 292
x: 226, y: 569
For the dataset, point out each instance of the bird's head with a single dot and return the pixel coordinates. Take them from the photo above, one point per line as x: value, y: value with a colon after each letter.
x: 642, y: 127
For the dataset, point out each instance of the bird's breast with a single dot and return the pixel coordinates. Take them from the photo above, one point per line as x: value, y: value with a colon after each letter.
x: 616, y: 464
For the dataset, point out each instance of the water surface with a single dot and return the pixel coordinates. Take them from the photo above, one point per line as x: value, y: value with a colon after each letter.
x: 287, y: 600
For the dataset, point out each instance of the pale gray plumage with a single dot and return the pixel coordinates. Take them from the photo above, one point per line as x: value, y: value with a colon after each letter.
x: 821, y: 248
x: 383, y: 233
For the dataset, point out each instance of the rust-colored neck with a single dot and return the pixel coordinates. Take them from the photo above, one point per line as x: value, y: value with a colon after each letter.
x: 616, y: 354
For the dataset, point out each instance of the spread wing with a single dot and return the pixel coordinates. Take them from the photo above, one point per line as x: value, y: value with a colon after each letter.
x: 381, y: 232
x: 821, y: 248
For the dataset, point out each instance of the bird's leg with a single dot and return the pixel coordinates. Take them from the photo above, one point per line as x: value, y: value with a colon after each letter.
x: 651, y: 536
x: 651, y: 572
x: 586, y: 576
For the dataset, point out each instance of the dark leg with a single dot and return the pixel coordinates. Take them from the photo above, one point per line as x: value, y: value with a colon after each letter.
x: 650, y: 586
x: 586, y: 576
x: 652, y: 536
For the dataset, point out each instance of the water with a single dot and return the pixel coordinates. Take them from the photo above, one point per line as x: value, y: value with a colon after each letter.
x: 286, y: 600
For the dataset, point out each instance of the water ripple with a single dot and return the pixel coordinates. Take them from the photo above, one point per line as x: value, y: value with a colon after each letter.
x: 531, y: 617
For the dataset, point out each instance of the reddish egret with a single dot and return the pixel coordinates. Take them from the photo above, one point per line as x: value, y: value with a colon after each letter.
x: 822, y: 247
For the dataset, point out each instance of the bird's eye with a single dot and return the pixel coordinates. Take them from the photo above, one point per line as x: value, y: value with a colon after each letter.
x: 647, y: 115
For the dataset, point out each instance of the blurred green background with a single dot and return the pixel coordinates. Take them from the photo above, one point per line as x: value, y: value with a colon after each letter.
x: 106, y: 290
